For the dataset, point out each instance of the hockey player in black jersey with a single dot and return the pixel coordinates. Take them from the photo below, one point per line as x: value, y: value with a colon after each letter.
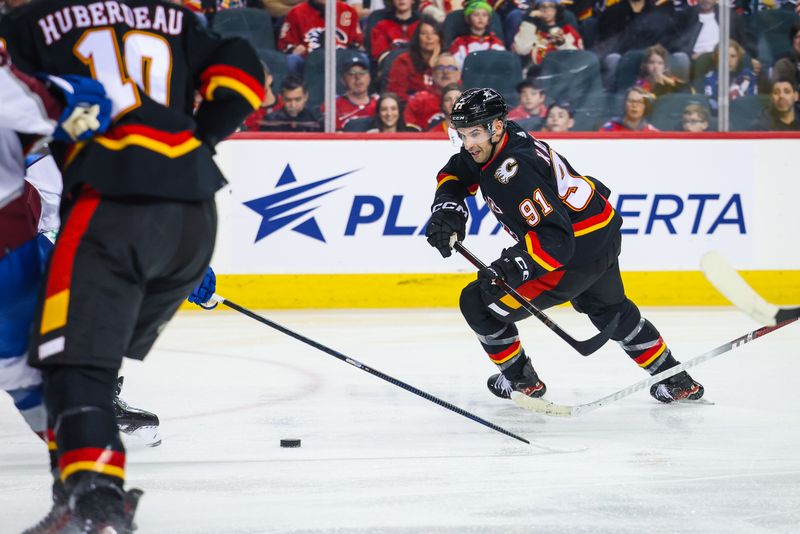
x: 568, y: 240
x: 138, y: 214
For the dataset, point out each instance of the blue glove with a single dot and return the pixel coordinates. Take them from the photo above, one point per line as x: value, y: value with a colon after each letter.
x: 203, y: 293
x: 87, y: 111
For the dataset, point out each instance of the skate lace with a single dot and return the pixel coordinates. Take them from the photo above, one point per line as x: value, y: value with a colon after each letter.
x: 502, y: 384
x: 663, y: 391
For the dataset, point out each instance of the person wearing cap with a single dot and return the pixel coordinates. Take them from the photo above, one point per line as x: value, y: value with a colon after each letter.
x: 531, y: 108
x: 356, y: 102
x: 479, y: 15
x: 560, y: 118
x: 543, y: 30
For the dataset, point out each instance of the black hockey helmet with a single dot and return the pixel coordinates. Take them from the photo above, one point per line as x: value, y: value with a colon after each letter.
x: 478, y: 106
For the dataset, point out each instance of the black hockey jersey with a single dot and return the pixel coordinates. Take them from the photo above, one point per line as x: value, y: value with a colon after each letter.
x: 152, y: 57
x: 562, y: 219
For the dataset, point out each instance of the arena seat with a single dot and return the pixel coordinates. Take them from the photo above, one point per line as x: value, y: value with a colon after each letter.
x: 255, y: 25
x: 498, y: 69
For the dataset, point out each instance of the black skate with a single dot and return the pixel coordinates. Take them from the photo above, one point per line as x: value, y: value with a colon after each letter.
x: 100, y: 506
x: 135, y: 421
x: 676, y: 388
x: 58, y: 520
x: 528, y: 384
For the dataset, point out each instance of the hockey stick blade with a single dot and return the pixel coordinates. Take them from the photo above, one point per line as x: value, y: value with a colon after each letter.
x: 368, y: 369
x: 546, y: 407
x: 585, y: 347
x: 721, y: 274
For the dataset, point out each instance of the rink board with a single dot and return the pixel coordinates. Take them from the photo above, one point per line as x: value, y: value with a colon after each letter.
x: 339, y: 222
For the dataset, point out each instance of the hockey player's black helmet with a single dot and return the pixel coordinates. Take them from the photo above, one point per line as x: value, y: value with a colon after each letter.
x: 478, y: 106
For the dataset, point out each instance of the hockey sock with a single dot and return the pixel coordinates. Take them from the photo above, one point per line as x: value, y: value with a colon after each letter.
x: 80, y: 400
x: 505, y: 350
x: 647, y: 348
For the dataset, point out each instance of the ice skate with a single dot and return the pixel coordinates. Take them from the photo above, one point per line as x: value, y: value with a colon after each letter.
x: 677, y: 388
x: 100, y: 506
x: 528, y: 384
x: 134, y: 421
x: 58, y: 519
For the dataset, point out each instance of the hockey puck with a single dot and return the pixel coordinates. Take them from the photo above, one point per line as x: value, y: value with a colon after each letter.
x: 290, y: 443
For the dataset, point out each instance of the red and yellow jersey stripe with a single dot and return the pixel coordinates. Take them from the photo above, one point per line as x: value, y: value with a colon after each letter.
x: 105, y: 461
x: 237, y: 80
x: 539, y: 255
x: 169, y: 144
x: 595, y: 222
x: 443, y: 178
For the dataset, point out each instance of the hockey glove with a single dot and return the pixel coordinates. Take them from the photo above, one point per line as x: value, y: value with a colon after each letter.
x: 448, y: 217
x: 87, y: 109
x: 513, y: 266
x: 203, y: 293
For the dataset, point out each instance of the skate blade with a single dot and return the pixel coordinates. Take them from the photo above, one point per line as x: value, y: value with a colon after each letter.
x: 149, y: 436
x: 698, y: 401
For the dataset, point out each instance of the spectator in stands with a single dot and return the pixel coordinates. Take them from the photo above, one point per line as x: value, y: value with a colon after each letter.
x: 630, y: 25
x: 560, y: 118
x: 412, y: 71
x: 478, y: 14
x: 356, y: 102
x: 743, y: 81
x: 543, y: 30
x: 638, y: 105
x: 531, y: 108
x: 783, y: 113
x: 270, y: 103
x: 695, y: 118
x: 388, y: 118
x: 424, y: 105
x: 441, y: 121
x: 293, y: 116
x: 303, y: 31
x: 655, y: 76
x: 699, y: 29
x: 788, y: 67
x: 395, y: 30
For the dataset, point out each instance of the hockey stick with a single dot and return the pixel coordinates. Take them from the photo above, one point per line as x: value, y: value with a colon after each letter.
x: 548, y: 408
x: 727, y: 281
x: 585, y: 347
x: 359, y: 365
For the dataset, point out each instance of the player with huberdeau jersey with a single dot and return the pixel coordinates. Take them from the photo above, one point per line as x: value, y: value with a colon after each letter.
x: 568, y: 240
x: 139, y: 217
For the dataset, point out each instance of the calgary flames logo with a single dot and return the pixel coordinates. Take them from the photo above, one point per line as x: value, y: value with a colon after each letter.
x: 506, y: 171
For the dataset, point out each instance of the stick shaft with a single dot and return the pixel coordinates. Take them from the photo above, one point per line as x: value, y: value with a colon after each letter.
x: 366, y: 368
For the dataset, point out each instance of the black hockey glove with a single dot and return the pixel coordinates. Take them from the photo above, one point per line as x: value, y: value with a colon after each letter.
x: 448, y: 217
x: 513, y: 266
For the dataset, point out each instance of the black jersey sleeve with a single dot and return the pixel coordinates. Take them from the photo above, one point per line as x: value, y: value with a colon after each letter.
x: 229, y: 76
x: 456, y: 180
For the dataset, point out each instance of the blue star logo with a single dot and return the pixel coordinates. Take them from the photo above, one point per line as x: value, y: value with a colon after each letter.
x: 279, y: 209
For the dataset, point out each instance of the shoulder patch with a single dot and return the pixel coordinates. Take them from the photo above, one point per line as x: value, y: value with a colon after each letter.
x: 507, y: 170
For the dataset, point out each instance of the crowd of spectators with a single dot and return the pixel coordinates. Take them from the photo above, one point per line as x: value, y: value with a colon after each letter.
x: 656, y: 62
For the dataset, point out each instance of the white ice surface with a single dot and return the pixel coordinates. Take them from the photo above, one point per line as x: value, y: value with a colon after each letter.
x: 375, y: 458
